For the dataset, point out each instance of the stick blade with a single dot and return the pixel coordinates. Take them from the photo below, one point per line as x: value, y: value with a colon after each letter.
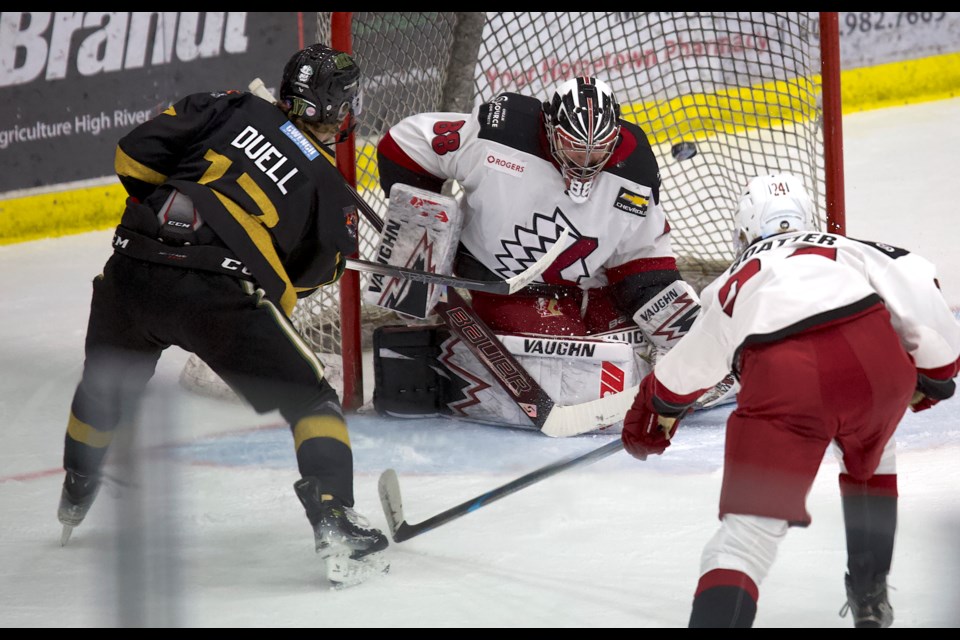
x: 390, y: 500
x: 577, y: 419
x: 521, y: 280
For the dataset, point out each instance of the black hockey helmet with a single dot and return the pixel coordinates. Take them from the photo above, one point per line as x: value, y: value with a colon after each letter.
x: 322, y: 86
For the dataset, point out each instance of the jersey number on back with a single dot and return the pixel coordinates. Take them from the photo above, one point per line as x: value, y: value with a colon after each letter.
x: 731, y: 288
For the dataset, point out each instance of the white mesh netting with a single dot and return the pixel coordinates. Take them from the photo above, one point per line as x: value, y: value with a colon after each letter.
x: 744, y: 87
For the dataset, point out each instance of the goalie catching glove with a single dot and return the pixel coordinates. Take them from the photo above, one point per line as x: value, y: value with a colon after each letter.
x: 664, y: 319
x: 651, y: 423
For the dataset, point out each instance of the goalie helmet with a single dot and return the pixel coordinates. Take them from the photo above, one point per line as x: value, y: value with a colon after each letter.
x: 771, y: 204
x: 321, y: 86
x: 582, y: 119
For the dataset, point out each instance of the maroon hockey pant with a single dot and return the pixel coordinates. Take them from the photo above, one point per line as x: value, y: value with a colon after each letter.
x: 850, y: 382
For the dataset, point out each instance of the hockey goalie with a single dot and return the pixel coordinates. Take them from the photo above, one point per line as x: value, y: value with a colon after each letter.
x: 592, y: 323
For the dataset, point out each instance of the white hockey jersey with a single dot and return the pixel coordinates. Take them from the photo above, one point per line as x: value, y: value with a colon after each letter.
x: 515, y: 206
x: 791, y: 282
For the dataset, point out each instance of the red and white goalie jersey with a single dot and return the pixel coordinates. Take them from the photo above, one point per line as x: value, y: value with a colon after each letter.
x: 514, y: 202
x: 796, y: 281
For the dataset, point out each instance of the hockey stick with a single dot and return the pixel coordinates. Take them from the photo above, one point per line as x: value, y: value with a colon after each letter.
x: 502, y: 287
x: 401, y: 530
x: 486, y: 347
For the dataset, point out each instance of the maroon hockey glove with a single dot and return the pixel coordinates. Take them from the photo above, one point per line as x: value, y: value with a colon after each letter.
x: 930, y: 391
x: 921, y: 402
x: 645, y: 432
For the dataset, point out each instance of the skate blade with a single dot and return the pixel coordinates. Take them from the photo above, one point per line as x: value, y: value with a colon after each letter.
x: 65, y: 534
x: 343, y: 572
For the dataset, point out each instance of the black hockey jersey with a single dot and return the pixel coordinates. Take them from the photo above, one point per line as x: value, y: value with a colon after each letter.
x: 270, y: 193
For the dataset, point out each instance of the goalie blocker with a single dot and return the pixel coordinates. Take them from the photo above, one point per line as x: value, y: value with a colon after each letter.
x: 420, y: 232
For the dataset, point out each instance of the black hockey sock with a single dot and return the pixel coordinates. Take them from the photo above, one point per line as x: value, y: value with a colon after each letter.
x: 725, y: 599
x: 870, y: 516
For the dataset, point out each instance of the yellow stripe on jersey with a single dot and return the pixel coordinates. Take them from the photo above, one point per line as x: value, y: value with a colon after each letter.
x: 218, y: 166
x: 251, y: 224
x: 264, y: 242
x: 320, y: 427
x: 126, y: 166
x: 269, y: 217
x: 85, y: 434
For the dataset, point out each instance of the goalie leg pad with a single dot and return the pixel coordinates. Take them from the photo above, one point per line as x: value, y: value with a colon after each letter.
x: 409, y: 380
x: 425, y: 371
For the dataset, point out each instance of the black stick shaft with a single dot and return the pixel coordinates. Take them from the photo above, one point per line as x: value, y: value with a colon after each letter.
x: 406, y: 530
x: 490, y: 286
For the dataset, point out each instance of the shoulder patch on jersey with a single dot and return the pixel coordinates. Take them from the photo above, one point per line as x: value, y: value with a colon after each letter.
x: 632, y: 203
x: 886, y: 249
x: 512, y: 119
x: 634, y: 160
x: 306, y: 147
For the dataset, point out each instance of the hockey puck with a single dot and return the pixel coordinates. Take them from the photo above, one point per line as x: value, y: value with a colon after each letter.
x: 684, y: 150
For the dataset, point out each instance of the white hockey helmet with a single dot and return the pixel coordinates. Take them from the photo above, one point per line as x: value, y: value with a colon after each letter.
x: 771, y: 204
x: 582, y: 119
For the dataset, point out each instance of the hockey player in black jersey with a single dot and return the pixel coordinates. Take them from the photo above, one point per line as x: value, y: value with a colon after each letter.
x: 234, y: 211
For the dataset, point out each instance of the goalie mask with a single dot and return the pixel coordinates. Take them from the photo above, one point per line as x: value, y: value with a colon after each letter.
x: 322, y: 88
x: 583, y: 127
x: 771, y: 204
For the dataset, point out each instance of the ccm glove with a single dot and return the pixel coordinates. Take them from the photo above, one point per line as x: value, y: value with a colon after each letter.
x: 930, y: 391
x: 645, y: 431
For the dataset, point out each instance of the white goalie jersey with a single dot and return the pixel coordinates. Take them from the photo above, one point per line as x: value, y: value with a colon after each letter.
x: 514, y: 205
x: 795, y: 281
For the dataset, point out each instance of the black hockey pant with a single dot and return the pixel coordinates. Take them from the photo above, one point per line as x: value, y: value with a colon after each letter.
x: 141, y: 308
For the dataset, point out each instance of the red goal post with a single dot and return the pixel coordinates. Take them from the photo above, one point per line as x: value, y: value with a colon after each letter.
x: 753, y: 91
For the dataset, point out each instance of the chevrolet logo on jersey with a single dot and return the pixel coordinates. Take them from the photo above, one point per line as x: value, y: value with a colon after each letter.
x: 631, y: 202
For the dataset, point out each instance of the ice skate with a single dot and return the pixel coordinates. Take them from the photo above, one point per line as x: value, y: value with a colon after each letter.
x: 869, y: 605
x: 351, y: 550
x: 76, y: 498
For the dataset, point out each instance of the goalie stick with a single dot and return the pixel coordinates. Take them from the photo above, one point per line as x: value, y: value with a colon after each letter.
x: 401, y: 530
x: 502, y: 287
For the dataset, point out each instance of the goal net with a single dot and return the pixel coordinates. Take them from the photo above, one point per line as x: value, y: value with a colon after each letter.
x: 744, y: 88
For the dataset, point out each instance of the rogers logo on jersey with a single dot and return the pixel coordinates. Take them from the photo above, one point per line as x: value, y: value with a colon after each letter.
x: 509, y: 166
